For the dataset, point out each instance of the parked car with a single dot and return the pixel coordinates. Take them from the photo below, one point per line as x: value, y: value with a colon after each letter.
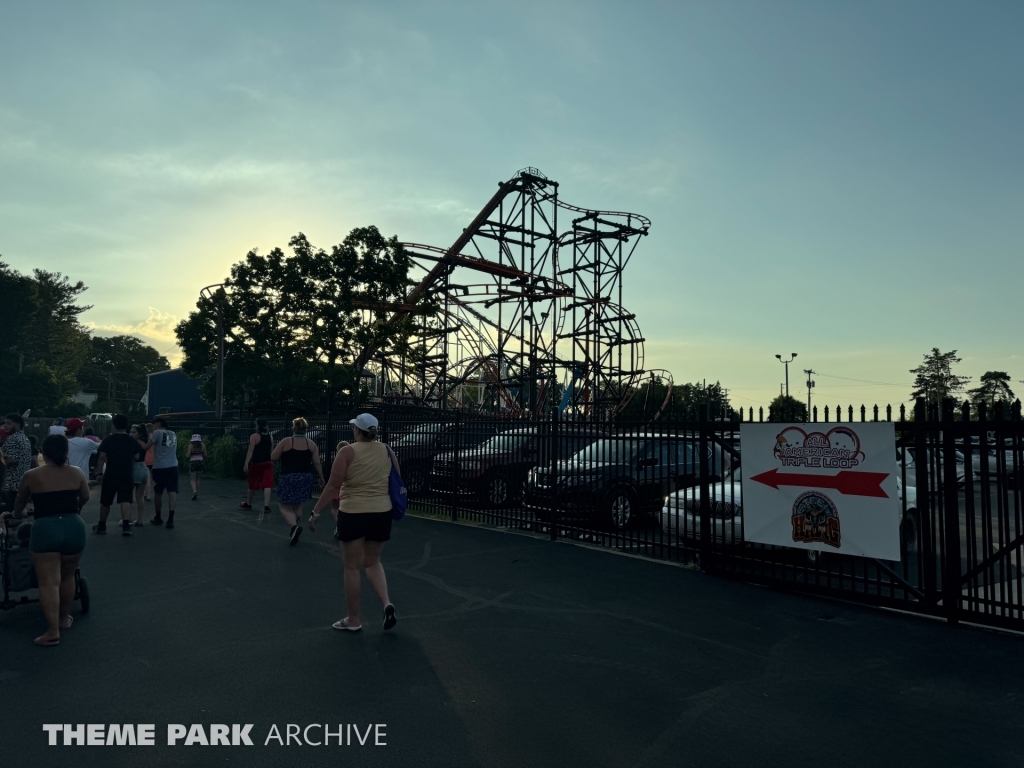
x: 680, y: 515
x: 614, y: 481
x: 909, y: 456
x: 417, y: 447
x: 999, y: 463
x: 495, y: 471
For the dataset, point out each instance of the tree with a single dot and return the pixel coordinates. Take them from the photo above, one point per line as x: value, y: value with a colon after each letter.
x: 683, y: 402
x: 785, y: 408
x: 934, y: 378
x: 117, y: 369
x: 43, y: 345
x: 994, y: 389
x: 294, y: 323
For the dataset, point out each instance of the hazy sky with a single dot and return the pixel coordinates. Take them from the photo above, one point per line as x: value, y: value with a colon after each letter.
x: 842, y: 180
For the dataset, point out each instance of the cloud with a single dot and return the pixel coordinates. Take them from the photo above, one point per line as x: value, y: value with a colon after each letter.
x: 157, y: 330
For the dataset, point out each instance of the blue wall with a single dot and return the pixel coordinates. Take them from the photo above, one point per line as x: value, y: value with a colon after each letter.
x: 175, y: 391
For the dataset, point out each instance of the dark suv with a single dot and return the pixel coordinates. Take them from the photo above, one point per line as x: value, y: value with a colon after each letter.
x: 494, y: 472
x: 614, y: 481
x: 417, y: 447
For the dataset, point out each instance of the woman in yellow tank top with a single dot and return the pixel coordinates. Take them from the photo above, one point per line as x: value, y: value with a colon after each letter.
x: 359, y: 476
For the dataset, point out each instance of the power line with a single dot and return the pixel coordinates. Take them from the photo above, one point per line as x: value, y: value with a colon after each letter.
x: 866, y: 381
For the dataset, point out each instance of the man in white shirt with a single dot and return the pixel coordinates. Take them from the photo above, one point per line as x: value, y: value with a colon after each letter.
x: 80, y: 448
x: 58, y: 427
x: 165, y: 469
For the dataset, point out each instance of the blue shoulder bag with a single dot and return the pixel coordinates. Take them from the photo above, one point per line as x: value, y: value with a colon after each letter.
x: 397, y: 492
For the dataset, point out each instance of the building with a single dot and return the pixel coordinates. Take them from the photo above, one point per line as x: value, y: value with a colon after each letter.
x: 174, y: 392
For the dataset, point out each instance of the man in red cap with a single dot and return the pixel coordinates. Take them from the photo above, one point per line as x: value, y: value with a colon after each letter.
x: 80, y: 448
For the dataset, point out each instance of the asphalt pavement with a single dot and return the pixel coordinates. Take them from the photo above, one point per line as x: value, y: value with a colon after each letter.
x: 510, y: 651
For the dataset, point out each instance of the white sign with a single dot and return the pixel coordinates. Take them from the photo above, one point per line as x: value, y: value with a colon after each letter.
x: 829, y: 487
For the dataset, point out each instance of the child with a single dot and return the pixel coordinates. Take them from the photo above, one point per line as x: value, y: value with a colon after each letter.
x: 196, y: 454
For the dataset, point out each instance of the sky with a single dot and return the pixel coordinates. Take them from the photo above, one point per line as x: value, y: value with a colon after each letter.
x: 840, y: 180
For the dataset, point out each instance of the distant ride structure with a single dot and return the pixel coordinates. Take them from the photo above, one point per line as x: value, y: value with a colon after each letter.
x: 530, y: 311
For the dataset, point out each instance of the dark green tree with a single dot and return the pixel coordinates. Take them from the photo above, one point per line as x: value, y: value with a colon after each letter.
x: 43, y: 345
x: 117, y: 369
x: 994, y: 390
x: 683, y: 402
x: 787, y: 409
x: 294, y: 323
x: 934, y: 378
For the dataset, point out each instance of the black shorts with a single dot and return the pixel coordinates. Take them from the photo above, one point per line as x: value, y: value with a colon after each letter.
x: 165, y: 479
x: 121, y: 487
x: 372, y: 526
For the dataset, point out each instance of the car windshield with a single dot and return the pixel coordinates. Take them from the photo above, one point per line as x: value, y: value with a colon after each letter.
x: 606, y: 451
x: 424, y: 433
x: 509, y: 441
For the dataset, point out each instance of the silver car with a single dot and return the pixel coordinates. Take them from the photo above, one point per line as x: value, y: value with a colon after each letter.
x: 680, y: 514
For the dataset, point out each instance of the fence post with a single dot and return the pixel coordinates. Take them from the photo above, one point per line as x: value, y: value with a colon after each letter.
x: 457, y: 434
x: 705, y: 491
x: 951, y: 593
x: 553, y: 474
x: 924, y: 498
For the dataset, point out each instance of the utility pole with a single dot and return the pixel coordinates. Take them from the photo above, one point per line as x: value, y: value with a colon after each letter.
x: 810, y: 386
x: 786, y: 363
x: 215, y: 293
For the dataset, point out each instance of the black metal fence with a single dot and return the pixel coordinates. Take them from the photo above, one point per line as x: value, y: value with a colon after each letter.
x: 672, y: 491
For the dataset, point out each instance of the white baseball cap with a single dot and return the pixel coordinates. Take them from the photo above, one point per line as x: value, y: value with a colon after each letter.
x: 365, y: 422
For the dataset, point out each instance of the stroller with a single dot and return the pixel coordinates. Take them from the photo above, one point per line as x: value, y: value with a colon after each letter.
x: 18, y: 575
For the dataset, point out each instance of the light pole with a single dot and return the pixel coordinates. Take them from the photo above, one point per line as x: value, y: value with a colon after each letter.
x: 786, y: 363
x: 215, y: 293
x: 810, y: 386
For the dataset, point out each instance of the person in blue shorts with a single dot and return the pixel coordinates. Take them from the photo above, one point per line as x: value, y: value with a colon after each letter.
x: 57, y: 491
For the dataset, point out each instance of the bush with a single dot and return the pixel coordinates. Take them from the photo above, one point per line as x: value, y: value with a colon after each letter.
x: 184, y: 439
x: 225, y: 457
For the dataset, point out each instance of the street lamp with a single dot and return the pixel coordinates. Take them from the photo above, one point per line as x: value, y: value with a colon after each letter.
x: 786, y: 363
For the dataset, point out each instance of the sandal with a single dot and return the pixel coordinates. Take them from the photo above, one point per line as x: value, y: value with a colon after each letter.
x: 46, y: 642
x: 69, y: 619
x: 389, y: 616
x: 343, y: 625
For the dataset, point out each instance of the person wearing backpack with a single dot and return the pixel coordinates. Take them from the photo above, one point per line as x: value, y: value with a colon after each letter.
x: 360, y: 477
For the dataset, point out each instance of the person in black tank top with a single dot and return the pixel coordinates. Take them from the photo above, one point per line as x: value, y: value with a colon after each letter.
x: 258, y: 468
x: 58, y: 491
x: 299, y: 459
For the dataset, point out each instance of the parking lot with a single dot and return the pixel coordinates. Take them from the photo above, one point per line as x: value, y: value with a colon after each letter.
x: 510, y: 650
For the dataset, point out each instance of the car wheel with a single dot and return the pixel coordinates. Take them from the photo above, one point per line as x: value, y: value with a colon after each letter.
x: 416, y: 480
x: 909, y: 528
x: 497, y: 491
x: 83, y: 594
x: 620, y: 509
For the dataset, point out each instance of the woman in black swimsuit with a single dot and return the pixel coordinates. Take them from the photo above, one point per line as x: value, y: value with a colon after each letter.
x: 58, y: 492
x: 299, y: 457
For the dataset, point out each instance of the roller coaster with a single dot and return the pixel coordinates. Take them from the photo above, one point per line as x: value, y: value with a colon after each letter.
x: 530, y: 311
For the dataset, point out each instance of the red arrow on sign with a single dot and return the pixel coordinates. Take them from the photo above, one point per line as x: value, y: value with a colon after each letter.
x: 846, y: 482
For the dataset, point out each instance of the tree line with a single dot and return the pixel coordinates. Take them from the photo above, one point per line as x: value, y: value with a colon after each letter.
x: 294, y: 323
x: 47, y: 356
